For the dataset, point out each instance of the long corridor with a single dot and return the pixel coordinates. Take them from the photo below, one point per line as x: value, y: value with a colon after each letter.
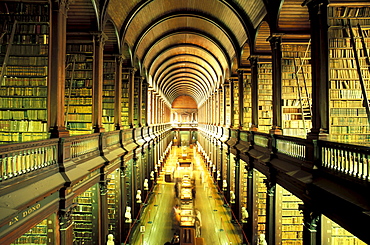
x: 157, y: 224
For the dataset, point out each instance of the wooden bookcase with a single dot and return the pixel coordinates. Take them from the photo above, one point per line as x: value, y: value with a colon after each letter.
x: 79, y: 84
x: 36, y: 235
x: 289, y: 218
x: 109, y: 76
x: 24, y: 51
x: 264, y: 96
x: 113, y: 196
x: 296, y: 89
x: 136, y: 101
x: 125, y: 100
x: 261, y: 202
x: 85, y: 217
x: 247, y: 101
x: 348, y: 117
x: 334, y: 234
x: 236, y: 103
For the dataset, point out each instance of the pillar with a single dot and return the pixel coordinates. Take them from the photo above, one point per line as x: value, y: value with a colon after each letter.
x: 97, y: 107
x: 275, y: 42
x: 57, y: 75
x: 320, y: 66
x: 254, y: 88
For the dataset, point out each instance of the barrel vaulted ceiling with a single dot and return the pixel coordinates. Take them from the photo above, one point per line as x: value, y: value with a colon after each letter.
x: 186, y: 47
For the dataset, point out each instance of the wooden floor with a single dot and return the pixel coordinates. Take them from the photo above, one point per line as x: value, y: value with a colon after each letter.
x: 156, y: 222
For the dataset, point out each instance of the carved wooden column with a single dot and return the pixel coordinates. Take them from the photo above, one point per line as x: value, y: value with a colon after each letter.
x: 311, y: 221
x: 103, y: 210
x: 270, y: 212
x: 320, y: 66
x: 118, y: 94
x: 57, y: 72
x: 254, y: 88
x: 66, y: 225
x: 97, y: 107
x: 275, y: 42
x: 131, y: 86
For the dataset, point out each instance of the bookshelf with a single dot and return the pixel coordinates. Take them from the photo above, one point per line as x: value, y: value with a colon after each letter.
x: 247, y: 101
x: 109, y: 75
x: 113, y: 203
x: 261, y: 202
x: 85, y: 217
x: 24, y: 51
x: 79, y: 83
x: 348, y: 117
x: 264, y: 96
x: 290, y: 218
x: 244, y: 184
x: 125, y: 99
x: 334, y: 234
x: 235, y: 108
x: 36, y: 235
x: 136, y: 101
x: 144, y: 102
x: 296, y: 89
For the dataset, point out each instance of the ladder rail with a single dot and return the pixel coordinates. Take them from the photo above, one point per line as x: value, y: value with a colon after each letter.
x: 299, y: 93
x: 7, y: 53
x: 358, y: 67
x: 297, y: 70
x: 70, y: 87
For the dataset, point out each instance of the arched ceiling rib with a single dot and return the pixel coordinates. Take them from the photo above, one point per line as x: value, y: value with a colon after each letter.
x: 207, y: 33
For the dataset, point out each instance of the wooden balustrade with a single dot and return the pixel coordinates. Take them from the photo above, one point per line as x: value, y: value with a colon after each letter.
x: 22, y: 158
x: 346, y: 159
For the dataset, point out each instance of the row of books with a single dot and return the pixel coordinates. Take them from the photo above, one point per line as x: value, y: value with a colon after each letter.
x: 348, y: 112
x: 294, y: 124
x: 79, y: 91
x: 346, y: 63
x: 23, y: 126
x: 79, y: 109
x: 346, y: 103
x: 24, y: 91
x: 27, y: 49
x: 6, y: 137
x: 346, y: 53
x: 80, y: 74
x: 346, y: 94
x: 26, y: 70
x: 82, y: 126
x: 79, y: 117
x: 23, y: 115
x: 80, y: 48
x: 86, y: 101
x: 27, y: 39
x: 17, y: 9
x: 24, y: 81
x: 28, y: 60
x: 348, y: 12
x: 25, y: 102
x: 359, y: 121
x: 348, y: 74
x: 350, y: 129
